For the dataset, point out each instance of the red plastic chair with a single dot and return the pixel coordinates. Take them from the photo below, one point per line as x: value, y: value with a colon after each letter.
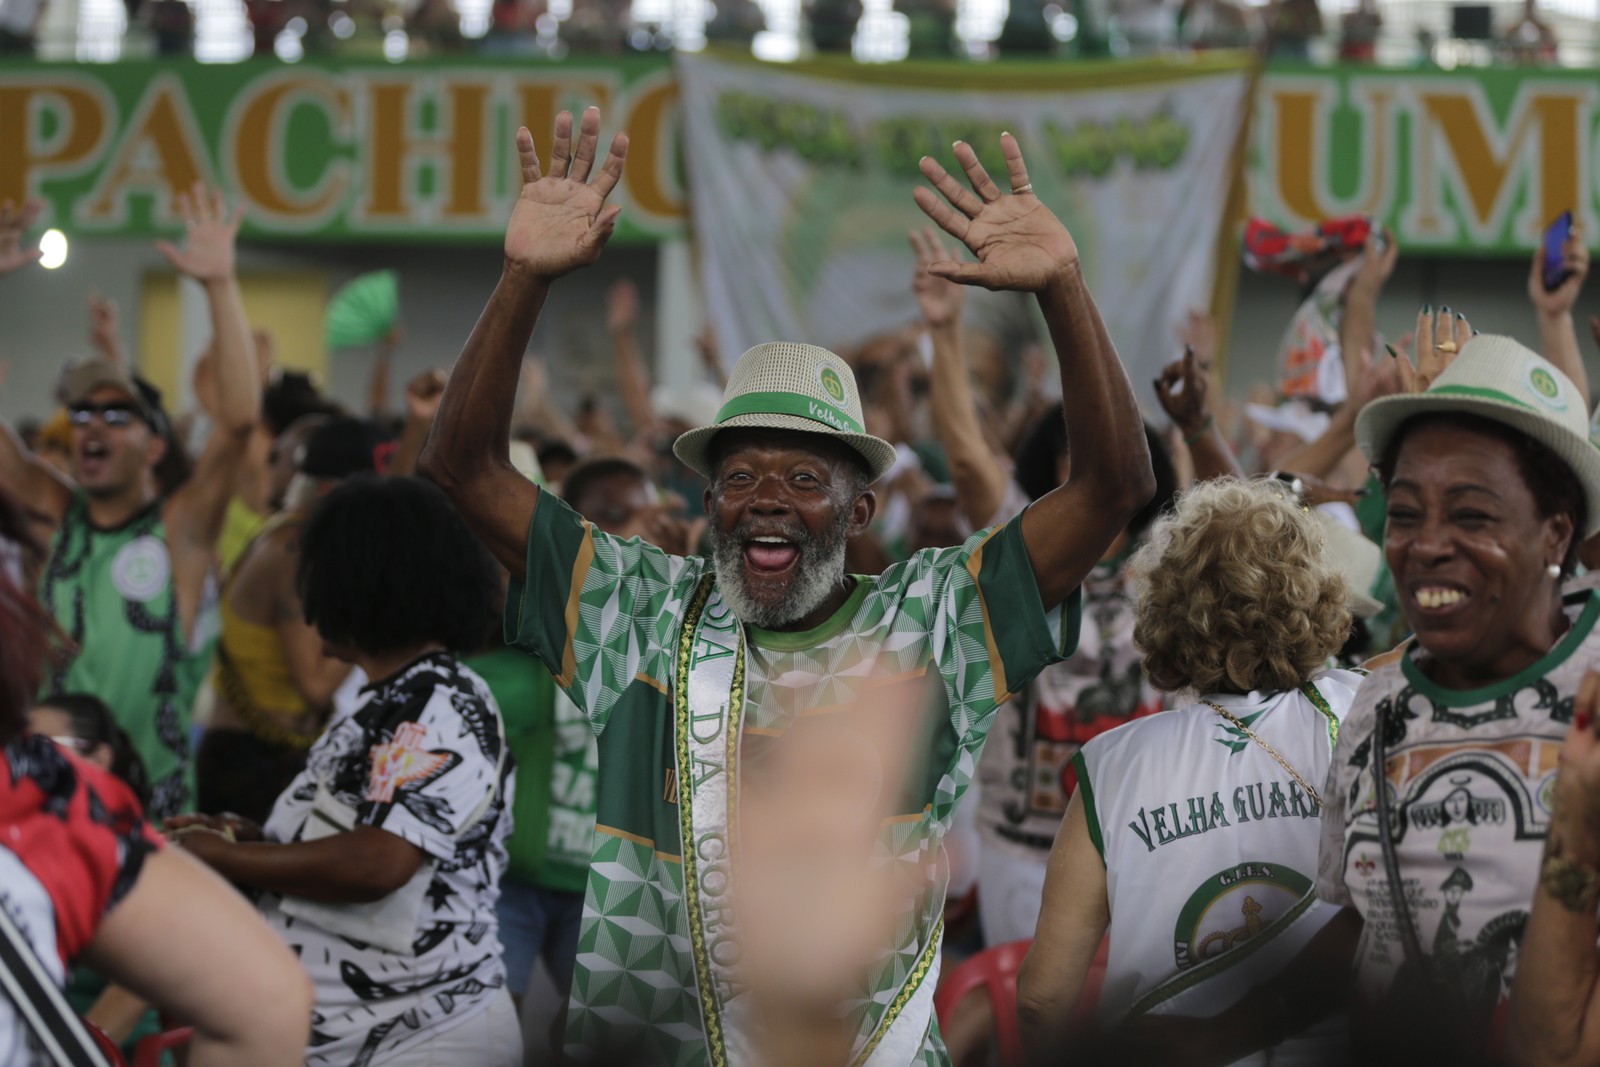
x: 994, y: 971
x: 149, y: 1050
x: 108, y: 1047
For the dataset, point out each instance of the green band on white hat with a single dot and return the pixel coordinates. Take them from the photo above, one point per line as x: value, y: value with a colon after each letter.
x: 1479, y: 392
x: 784, y: 403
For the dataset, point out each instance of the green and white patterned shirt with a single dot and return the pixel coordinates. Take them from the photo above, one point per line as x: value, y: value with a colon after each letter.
x: 605, y: 615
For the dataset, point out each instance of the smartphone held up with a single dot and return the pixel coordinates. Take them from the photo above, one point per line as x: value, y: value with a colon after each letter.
x: 1555, y: 246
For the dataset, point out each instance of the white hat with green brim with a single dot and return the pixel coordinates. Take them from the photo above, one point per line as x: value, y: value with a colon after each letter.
x: 784, y: 386
x: 1500, y: 379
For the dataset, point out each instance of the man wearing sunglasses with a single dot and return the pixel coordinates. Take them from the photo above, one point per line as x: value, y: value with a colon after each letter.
x: 130, y: 572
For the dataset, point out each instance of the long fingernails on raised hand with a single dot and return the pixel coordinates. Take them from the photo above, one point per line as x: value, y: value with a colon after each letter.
x: 1445, y: 311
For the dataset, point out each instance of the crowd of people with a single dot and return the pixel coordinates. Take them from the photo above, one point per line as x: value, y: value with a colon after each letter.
x: 338, y: 738
x: 1295, y: 31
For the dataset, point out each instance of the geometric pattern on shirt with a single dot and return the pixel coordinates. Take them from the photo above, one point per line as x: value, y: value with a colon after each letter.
x: 924, y: 612
x: 633, y: 952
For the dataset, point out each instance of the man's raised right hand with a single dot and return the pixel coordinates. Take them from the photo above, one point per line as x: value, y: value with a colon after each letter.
x: 208, y: 253
x: 561, y: 221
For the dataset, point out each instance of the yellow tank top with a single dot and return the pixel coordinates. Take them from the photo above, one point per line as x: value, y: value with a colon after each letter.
x: 252, y: 673
x: 240, y: 526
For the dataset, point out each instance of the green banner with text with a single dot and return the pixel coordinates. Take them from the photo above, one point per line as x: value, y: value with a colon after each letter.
x: 1467, y: 161
x: 373, y: 151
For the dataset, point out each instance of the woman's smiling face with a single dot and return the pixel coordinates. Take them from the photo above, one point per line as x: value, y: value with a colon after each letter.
x: 1468, y: 549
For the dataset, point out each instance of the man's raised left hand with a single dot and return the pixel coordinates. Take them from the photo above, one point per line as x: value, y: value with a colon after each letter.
x: 561, y: 220
x: 1020, y: 244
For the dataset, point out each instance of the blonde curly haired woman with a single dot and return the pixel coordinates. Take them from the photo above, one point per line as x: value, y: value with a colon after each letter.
x: 1193, y: 835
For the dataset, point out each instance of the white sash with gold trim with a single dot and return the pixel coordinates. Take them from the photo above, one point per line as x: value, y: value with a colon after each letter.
x: 708, y: 716
x: 708, y: 711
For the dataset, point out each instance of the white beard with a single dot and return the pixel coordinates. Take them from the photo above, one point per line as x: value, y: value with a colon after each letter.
x: 819, y: 571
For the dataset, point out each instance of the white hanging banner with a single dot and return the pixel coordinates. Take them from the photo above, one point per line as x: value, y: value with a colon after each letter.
x: 800, y: 181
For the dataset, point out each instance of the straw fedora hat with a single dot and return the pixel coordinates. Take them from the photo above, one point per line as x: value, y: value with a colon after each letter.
x: 1500, y: 379
x: 785, y: 386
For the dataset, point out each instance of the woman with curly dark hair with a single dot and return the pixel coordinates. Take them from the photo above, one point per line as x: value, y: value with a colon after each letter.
x: 380, y: 863
x: 1192, y: 835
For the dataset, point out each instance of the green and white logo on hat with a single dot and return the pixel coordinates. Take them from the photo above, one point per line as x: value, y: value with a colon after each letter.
x: 831, y: 384
x: 784, y: 386
x: 1544, y: 388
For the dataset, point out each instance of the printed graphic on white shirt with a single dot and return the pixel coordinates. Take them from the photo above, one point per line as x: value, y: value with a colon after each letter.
x: 419, y: 757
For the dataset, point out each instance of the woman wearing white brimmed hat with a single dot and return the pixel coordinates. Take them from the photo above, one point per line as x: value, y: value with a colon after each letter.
x: 1491, y: 482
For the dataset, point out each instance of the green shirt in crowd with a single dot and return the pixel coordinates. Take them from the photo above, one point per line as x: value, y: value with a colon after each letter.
x: 553, y: 749
x: 608, y: 617
x: 111, y: 592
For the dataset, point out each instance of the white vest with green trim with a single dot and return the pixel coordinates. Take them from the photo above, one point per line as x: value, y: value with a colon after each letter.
x: 1210, y: 846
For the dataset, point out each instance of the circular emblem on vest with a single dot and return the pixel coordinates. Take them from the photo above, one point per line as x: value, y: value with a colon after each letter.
x: 1546, y: 793
x: 1234, y: 906
x: 831, y: 384
x: 1544, y: 387
x: 142, y: 569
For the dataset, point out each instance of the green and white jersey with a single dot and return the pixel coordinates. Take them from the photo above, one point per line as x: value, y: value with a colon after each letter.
x: 111, y: 591
x: 608, y: 617
x: 1210, y: 846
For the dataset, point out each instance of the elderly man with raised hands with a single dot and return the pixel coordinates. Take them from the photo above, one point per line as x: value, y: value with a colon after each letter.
x: 693, y: 669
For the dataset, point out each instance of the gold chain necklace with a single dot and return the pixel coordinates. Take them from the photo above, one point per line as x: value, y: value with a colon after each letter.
x: 1252, y: 735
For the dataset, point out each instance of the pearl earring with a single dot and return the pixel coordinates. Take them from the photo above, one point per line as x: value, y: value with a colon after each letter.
x: 1554, y: 570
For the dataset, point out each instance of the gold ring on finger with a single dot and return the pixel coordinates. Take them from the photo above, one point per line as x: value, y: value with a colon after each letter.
x: 1447, y: 346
